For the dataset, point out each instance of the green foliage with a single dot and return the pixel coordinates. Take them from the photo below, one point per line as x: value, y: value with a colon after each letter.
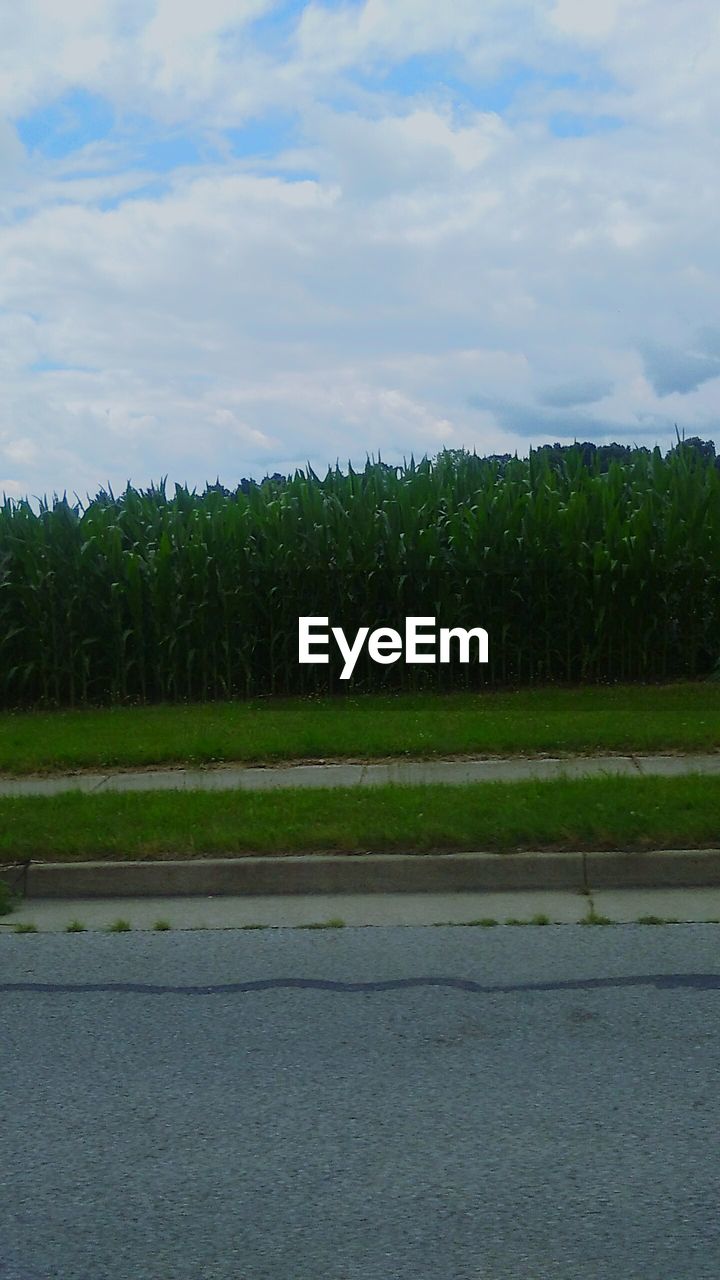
x: 593, y: 918
x: 7, y: 901
x: 579, y: 566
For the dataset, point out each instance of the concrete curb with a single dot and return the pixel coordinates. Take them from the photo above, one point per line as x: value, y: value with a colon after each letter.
x: 368, y: 873
x: 661, y: 869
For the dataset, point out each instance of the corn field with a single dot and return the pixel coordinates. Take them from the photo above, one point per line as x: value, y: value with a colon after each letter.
x: 576, y: 573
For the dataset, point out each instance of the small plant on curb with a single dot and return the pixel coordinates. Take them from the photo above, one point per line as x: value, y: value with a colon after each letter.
x: 161, y: 925
x: 484, y: 923
x: 8, y: 900
x: 25, y: 928
x: 592, y: 917
x: 75, y: 927
x: 655, y: 920
x: 119, y: 926
x: 327, y: 924
x: 538, y: 919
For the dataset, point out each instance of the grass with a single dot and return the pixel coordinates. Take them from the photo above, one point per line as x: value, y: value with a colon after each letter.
x: 593, y: 918
x: 26, y: 927
x: 75, y: 927
x: 119, y: 926
x: 564, y: 814
x: 591, y: 718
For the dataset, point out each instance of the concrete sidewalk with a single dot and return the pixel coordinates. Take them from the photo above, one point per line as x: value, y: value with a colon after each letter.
x: 398, y: 772
x: 364, y: 910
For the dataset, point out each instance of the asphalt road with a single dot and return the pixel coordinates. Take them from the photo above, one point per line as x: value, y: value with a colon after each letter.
x: 361, y: 1104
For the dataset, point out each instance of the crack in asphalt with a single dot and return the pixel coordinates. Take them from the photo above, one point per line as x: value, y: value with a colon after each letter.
x: 661, y: 981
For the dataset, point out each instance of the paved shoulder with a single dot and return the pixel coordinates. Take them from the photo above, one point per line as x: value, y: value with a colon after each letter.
x: 361, y: 1104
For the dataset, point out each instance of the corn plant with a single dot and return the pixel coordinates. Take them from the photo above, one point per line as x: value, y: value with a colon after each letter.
x: 576, y: 572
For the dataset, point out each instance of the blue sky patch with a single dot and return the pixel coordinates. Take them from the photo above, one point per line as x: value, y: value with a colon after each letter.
x: 65, y: 125
x: 432, y: 73
x: 153, y: 189
x: 162, y: 155
x: 273, y: 31
x: 57, y: 366
x: 264, y: 136
x: 568, y: 124
x: 448, y: 72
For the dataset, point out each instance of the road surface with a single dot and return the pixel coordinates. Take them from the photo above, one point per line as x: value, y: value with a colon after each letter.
x: 361, y: 1104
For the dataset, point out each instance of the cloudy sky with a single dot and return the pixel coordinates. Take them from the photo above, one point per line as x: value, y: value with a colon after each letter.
x: 237, y: 235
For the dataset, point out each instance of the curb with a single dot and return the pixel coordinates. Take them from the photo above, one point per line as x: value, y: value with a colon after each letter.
x: 370, y: 873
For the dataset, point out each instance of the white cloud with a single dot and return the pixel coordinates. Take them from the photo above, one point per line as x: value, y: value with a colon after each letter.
x: 447, y: 274
x: 589, y: 21
x: 182, y: 22
x: 182, y: 44
x: 579, y: 391
x: 678, y: 371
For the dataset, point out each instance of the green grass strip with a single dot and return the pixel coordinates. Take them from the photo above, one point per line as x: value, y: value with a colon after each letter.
x: 587, y: 813
x: 682, y: 717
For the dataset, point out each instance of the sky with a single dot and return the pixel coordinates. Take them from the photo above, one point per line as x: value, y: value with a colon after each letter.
x: 238, y: 236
